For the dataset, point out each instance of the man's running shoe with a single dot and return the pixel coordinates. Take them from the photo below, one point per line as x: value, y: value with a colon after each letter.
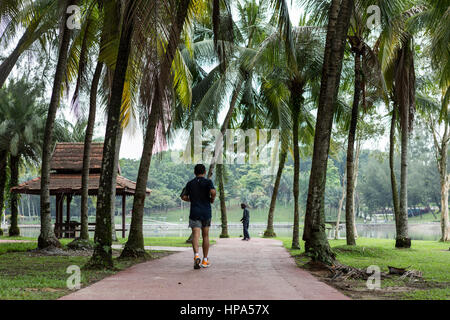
x: 205, y: 263
x: 197, y: 262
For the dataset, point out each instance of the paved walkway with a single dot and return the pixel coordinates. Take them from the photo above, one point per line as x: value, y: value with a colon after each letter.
x: 260, y: 269
x: 16, y: 241
x: 157, y: 248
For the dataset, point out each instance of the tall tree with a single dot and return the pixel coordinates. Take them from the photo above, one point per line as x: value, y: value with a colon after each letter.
x: 135, y: 244
x: 220, y: 176
x: 84, y: 232
x: 3, y: 169
x: 47, y: 236
x: 13, y: 230
x: 290, y: 71
x: 21, y: 126
x: 270, y: 232
x: 316, y: 243
x: 102, y: 256
x: 438, y: 127
x: 404, y: 100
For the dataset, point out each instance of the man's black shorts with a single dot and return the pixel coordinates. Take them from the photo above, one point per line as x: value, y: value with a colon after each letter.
x: 199, y: 223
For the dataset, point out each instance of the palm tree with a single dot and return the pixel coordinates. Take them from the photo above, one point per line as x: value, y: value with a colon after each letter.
x: 154, y: 96
x: 20, y: 134
x: 435, y: 114
x: 270, y: 232
x: 3, y: 176
x: 396, y: 45
x: 96, y: 21
x: 316, y: 243
x: 135, y: 244
x: 366, y: 71
x: 37, y: 17
x: 433, y: 18
x: 292, y: 74
x: 102, y: 256
x: 47, y: 237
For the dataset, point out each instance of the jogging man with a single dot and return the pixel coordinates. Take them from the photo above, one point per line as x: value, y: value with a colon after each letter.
x: 200, y: 192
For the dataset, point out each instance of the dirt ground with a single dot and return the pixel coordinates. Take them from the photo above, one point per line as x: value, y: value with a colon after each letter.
x: 357, y: 289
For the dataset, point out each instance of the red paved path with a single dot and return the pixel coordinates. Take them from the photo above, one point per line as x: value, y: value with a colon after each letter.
x: 260, y: 269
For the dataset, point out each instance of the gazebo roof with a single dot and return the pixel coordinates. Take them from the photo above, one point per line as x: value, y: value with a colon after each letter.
x: 68, y: 157
x: 61, y: 183
x: 66, y: 166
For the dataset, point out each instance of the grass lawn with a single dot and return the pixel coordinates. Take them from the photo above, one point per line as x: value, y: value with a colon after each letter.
x: 25, y: 274
x: 150, y: 241
x: 166, y: 241
x: 432, y: 258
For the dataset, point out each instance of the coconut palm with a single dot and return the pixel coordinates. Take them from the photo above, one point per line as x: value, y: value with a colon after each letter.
x: 433, y: 16
x: 36, y: 17
x: 22, y: 122
x: 288, y: 85
x: 397, y: 62
x: 47, y: 237
x: 316, y: 243
x: 437, y: 124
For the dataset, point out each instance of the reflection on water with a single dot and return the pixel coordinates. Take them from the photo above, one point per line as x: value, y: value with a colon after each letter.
x: 429, y: 231
x: 425, y: 231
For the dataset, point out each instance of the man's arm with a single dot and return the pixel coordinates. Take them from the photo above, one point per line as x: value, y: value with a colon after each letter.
x: 212, y: 194
x: 185, y: 194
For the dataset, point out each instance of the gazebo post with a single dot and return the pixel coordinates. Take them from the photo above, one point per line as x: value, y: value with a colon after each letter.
x: 59, y: 214
x: 69, y: 200
x: 123, y: 215
x: 57, y: 197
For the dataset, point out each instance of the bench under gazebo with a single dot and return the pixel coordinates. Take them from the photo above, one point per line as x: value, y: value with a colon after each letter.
x: 65, y: 182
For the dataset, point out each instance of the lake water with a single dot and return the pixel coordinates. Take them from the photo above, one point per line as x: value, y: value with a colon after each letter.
x: 424, y: 231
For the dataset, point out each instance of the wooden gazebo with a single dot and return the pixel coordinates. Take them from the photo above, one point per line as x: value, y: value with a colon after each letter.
x: 65, y: 181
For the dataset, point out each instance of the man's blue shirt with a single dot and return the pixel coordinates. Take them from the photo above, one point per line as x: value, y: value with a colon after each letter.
x: 198, y: 190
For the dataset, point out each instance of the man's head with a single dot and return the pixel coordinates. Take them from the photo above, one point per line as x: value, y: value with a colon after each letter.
x: 243, y: 205
x: 199, y: 170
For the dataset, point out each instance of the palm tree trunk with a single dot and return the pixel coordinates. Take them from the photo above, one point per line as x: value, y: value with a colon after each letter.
x: 84, y: 233
x: 3, y: 167
x: 135, y: 244
x: 102, y: 256
x: 355, y: 183
x: 47, y: 236
x: 225, y: 124
x: 341, y: 204
x: 269, y: 233
x: 316, y: 242
x: 114, y: 185
x: 223, y: 128
x: 402, y: 239
x: 442, y: 165
x: 223, y: 207
x: 295, y: 120
x: 14, y: 181
x: 404, y: 98
x: 349, y: 212
x: 394, y: 188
